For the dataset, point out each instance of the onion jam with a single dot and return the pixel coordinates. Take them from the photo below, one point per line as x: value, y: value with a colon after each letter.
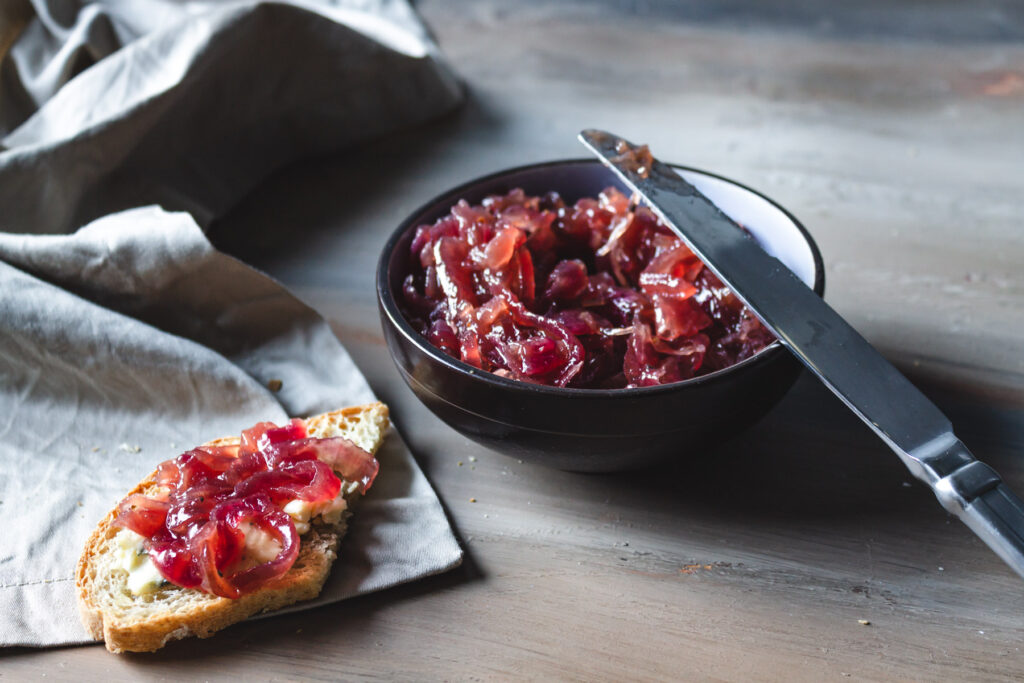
x: 599, y: 294
x: 195, y: 526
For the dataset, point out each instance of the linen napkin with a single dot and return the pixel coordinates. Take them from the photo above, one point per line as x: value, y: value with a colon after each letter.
x: 187, y: 104
x: 132, y: 339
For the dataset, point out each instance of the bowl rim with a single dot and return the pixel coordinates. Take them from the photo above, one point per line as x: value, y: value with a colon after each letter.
x: 389, y: 305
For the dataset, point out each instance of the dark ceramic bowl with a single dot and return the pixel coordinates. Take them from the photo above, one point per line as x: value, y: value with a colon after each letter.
x: 595, y: 429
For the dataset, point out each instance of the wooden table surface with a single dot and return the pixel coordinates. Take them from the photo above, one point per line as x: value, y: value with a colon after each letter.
x: 895, y: 133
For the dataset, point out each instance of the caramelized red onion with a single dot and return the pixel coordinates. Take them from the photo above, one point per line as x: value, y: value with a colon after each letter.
x: 599, y: 294
x: 194, y: 529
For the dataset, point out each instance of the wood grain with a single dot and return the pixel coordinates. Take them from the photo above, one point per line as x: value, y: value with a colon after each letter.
x: 893, y: 131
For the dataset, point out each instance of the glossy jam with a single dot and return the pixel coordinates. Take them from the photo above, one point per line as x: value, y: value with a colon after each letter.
x: 598, y: 294
x: 195, y: 526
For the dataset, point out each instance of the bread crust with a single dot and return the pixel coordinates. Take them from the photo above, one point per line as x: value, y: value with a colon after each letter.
x: 146, y: 630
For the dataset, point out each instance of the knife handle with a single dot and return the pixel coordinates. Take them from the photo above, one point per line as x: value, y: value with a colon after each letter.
x: 976, y: 494
x: 997, y: 517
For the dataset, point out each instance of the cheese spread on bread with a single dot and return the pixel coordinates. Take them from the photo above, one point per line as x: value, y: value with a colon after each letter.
x: 143, y: 576
x: 302, y: 511
x: 260, y: 547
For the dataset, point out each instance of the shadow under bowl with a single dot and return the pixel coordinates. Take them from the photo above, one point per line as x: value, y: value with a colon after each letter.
x: 595, y: 430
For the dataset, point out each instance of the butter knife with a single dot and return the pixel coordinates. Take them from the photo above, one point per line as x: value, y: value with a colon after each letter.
x: 830, y: 348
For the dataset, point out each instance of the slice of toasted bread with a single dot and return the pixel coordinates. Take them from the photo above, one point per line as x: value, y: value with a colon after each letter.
x: 143, y: 623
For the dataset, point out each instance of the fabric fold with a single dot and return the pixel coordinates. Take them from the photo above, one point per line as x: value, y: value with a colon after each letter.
x: 191, y: 112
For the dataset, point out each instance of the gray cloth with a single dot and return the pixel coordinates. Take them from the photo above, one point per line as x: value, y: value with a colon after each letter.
x: 132, y: 339
x: 189, y: 104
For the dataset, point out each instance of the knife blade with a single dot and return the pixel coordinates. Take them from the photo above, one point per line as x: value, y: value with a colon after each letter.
x: 912, y: 426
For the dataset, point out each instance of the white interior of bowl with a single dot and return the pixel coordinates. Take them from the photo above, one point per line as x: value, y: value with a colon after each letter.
x: 771, y: 227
